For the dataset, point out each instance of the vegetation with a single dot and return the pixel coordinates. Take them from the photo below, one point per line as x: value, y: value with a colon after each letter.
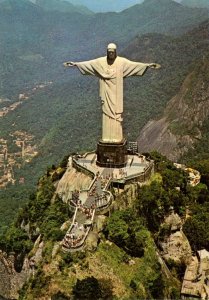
x: 196, y: 227
x: 195, y: 3
x: 128, y: 242
x: 198, y: 157
x: 42, y: 215
x: 37, y: 284
x: 155, y: 200
x: 193, y: 199
x: 126, y: 230
x: 31, y: 55
x: 130, y: 232
x: 62, y: 6
x: 87, y: 288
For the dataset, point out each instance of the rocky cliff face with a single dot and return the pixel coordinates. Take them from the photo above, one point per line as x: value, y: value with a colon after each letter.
x: 54, y: 274
x: 175, y: 246
x: 181, y: 124
x: 11, y: 281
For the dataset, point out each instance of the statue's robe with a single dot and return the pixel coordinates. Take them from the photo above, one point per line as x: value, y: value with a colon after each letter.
x: 111, y: 90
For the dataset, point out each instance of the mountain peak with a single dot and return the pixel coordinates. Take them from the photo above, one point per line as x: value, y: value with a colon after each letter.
x: 196, y: 3
x: 12, y: 4
x: 160, y: 2
x: 62, y: 6
x: 181, y: 124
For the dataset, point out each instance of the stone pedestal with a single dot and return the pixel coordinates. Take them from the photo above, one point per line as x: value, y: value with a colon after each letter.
x: 111, y: 155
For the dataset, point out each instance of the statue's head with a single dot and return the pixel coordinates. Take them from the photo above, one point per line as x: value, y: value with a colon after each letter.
x: 111, y: 51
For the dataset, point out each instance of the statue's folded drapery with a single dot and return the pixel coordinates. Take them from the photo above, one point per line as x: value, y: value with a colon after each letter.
x: 111, y: 90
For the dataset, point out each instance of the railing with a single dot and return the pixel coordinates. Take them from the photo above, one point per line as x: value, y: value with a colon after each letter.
x: 79, y: 245
x: 73, y: 221
x: 105, y: 202
x: 78, y: 167
x: 142, y: 177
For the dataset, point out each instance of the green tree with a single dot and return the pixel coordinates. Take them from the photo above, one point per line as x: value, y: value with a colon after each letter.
x: 15, y: 240
x: 196, y: 229
x: 151, y: 203
x: 117, y: 229
x: 87, y: 289
x: 126, y: 230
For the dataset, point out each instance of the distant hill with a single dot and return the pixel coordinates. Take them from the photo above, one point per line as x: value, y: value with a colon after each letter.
x: 62, y: 6
x: 47, y: 5
x: 106, y: 5
x: 180, y: 127
x: 54, y: 115
x: 184, y: 122
x: 35, y: 43
x: 196, y: 3
x: 12, y: 5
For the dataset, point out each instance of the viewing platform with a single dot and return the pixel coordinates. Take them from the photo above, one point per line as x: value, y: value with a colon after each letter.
x: 85, y: 187
x: 137, y: 169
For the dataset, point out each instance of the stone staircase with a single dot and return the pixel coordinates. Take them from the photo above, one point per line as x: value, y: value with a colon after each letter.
x: 84, y: 216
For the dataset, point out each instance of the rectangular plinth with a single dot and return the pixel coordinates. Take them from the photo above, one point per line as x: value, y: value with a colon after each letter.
x: 111, y: 155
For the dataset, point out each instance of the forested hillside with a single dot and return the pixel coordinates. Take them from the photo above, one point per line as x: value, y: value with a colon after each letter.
x: 33, y: 52
x: 196, y: 3
x: 107, y: 5
x: 125, y: 249
x: 62, y: 6
x: 47, y: 112
x: 123, y: 258
x: 183, y: 124
x: 35, y: 42
x: 181, y: 131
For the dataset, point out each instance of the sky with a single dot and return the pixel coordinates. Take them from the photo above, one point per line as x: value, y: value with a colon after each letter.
x: 107, y: 5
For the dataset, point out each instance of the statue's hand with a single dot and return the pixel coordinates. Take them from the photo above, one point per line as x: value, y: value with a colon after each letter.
x: 69, y: 64
x: 154, y: 66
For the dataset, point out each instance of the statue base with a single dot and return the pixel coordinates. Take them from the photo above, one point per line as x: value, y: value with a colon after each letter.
x: 111, y: 155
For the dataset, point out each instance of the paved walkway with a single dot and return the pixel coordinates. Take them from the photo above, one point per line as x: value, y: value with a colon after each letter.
x: 84, y: 214
x: 97, y: 196
x: 135, y: 164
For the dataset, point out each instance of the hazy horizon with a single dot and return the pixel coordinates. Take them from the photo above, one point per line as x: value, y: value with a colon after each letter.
x: 108, y: 5
x: 104, y: 5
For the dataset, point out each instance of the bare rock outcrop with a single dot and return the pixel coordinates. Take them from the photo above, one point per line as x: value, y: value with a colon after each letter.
x: 181, y: 124
x: 175, y: 246
x: 156, y: 135
x: 100, y: 222
x: 11, y: 281
x: 92, y: 241
x: 173, y: 221
x: 72, y: 180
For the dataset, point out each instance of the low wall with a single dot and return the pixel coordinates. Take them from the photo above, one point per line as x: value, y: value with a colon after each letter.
x: 141, y: 177
x: 82, y: 169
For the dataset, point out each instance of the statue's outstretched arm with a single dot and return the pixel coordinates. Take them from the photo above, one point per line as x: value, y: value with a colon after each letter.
x: 134, y: 68
x: 154, y: 66
x: 90, y: 67
x: 69, y: 64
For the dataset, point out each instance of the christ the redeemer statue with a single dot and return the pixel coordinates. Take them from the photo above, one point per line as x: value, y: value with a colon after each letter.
x: 111, y: 70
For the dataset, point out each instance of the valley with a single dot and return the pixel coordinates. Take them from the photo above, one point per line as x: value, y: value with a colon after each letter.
x: 52, y: 113
x: 149, y: 238
x: 26, y: 150
x: 19, y: 148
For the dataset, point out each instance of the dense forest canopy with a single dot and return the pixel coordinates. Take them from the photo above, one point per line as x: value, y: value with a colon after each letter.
x: 195, y: 3
x: 34, y: 43
x: 59, y: 112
